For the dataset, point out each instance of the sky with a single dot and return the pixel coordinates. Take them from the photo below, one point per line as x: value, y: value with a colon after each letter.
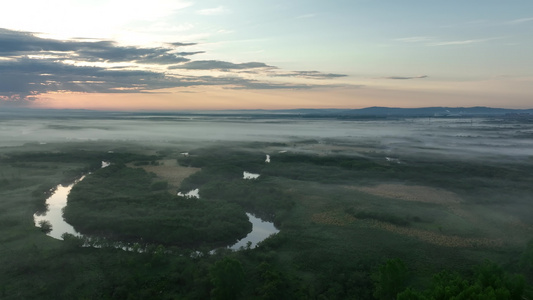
x: 229, y: 54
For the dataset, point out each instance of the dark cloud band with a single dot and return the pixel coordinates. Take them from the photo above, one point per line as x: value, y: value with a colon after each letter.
x: 31, y: 65
x: 219, y: 65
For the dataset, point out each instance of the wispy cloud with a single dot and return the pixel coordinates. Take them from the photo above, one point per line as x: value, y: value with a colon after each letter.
x: 180, y: 44
x: 219, y: 65
x: 189, y: 53
x: 461, y: 42
x: 308, y: 75
x: 519, y: 21
x: 220, y: 10
x: 435, y: 41
x: 405, y: 77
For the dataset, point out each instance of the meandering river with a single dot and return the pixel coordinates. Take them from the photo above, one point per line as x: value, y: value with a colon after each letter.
x: 260, y: 231
x: 58, y: 200
x: 54, y: 214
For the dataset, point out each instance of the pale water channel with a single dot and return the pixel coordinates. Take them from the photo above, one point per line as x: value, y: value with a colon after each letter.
x: 248, y: 175
x: 58, y: 200
x: 191, y: 194
x: 54, y: 214
x: 260, y: 231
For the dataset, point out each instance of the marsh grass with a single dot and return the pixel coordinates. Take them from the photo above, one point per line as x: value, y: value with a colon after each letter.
x: 170, y: 171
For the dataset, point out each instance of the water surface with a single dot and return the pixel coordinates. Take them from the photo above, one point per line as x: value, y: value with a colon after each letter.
x: 248, y: 175
x: 54, y: 215
x: 58, y: 200
x: 260, y: 231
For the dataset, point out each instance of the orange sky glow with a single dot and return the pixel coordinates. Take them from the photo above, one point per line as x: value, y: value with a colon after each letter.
x: 226, y: 99
x: 227, y: 54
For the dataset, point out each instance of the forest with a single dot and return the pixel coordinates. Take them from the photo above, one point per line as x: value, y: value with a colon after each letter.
x: 355, y: 222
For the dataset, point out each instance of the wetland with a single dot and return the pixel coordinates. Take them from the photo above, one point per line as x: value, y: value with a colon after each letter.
x: 447, y: 201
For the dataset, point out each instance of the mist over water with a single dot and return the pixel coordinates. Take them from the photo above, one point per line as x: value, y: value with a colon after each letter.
x: 460, y: 137
x: 434, y: 192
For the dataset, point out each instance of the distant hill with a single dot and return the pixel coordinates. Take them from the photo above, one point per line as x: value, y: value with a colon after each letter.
x: 377, y: 111
x: 437, y: 111
x: 369, y: 112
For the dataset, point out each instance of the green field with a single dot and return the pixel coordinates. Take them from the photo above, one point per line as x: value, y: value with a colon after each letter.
x: 347, y: 217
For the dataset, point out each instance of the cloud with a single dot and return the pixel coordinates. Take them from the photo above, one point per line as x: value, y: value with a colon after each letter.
x: 113, y: 53
x: 433, y: 41
x: 308, y: 75
x: 219, y: 65
x: 31, y: 66
x: 257, y: 85
x: 179, y: 44
x: 220, y: 10
x: 405, y: 77
x: 25, y: 78
x: 459, y: 42
x: 13, y: 43
x: 189, y: 53
x: 34, y: 65
x: 519, y: 21
x: 253, y: 68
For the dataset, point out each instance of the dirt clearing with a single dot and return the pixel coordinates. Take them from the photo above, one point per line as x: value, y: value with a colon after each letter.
x: 415, y: 193
x: 170, y: 171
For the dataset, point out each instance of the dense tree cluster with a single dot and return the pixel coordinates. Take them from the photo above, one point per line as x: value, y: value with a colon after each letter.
x: 126, y: 204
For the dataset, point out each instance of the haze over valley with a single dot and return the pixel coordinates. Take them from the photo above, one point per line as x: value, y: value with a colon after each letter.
x: 299, y: 195
x: 225, y: 149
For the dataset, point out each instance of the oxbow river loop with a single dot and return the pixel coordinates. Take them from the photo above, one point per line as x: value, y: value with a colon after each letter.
x: 59, y: 199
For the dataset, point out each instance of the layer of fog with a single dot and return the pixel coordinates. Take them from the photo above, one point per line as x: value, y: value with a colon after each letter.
x: 464, y: 138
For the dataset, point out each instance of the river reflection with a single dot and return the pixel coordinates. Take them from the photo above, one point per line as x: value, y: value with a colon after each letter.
x: 54, y: 215
x: 58, y: 200
x: 191, y: 194
x: 260, y: 231
x: 248, y: 175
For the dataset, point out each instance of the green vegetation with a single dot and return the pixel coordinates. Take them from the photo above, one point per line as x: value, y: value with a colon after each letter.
x: 45, y: 226
x: 464, y: 176
x: 390, y: 279
x: 337, y: 239
x: 489, y: 281
x: 228, y: 279
x: 122, y: 203
x: 221, y: 178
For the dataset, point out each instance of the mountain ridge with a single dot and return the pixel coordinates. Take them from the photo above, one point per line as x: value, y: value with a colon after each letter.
x: 374, y: 111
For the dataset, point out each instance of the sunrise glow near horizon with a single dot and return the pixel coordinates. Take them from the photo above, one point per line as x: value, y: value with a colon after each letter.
x: 229, y: 54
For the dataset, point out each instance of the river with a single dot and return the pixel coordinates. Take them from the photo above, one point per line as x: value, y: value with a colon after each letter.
x: 58, y: 200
